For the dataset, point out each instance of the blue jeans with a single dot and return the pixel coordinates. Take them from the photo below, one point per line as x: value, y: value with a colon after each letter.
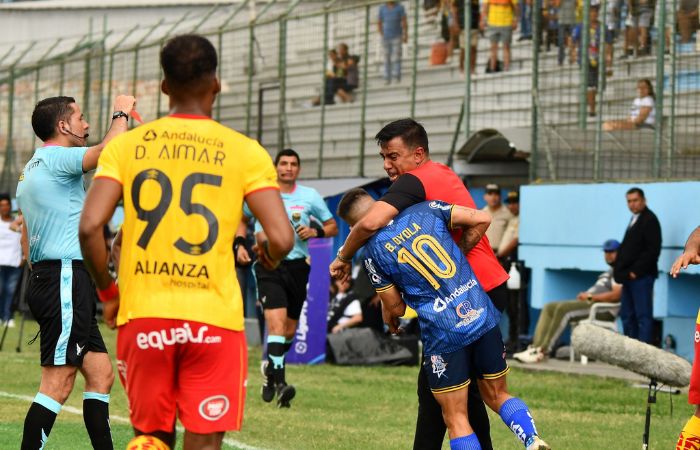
x: 637, y: 308
x: 392, y: 58
x: 8, y: 282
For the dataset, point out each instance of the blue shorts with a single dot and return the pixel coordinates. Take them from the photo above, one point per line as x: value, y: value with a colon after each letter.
x: 485, y: 359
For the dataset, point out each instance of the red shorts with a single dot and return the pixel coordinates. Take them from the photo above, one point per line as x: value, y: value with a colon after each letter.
x: 694, y: 390
x: 172, y: 367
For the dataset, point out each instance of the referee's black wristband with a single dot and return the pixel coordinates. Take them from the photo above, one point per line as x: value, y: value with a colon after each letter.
x: 320, y: 232
x: 240, y: 240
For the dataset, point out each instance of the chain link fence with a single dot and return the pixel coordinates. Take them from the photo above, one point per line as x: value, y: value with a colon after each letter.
x: 564, y: 100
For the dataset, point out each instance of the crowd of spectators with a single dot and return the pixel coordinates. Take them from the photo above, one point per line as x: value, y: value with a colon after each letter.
x: 497, y: 20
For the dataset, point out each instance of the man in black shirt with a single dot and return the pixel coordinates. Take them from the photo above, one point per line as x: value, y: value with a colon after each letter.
x: 636, y: 268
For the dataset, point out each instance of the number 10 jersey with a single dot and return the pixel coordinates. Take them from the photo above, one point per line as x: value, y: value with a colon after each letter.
x: 416, y: 253
x: 184, y: 179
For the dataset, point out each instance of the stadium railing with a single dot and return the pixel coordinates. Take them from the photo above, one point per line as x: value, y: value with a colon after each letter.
x: 273, y: 60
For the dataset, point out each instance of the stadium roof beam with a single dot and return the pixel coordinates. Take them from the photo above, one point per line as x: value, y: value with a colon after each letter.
x: 175, y: 25
x: 231, y: 16
x: 9, y: 52
x: 204, y: 18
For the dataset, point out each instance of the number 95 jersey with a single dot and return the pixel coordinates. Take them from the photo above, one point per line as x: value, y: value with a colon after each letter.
x: 416, y: 253
x: 183, y: 180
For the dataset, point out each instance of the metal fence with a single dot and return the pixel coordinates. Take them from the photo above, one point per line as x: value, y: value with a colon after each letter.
x: 273, y: 67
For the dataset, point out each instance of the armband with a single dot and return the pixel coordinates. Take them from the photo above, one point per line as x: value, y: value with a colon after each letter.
x: 109, y: 293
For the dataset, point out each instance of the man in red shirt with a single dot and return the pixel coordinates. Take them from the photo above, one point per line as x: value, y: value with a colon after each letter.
x: 415, y: 178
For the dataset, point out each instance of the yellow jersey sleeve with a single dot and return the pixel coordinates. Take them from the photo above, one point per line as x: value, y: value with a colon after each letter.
x: 108, y: 165
x: 260, y: 172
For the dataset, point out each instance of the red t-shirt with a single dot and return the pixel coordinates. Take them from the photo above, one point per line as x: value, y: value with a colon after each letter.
x: 435, y: 181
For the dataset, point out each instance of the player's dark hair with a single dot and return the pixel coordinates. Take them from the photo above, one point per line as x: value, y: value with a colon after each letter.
x: 287, y: 152
x: 5, y: 196
x: 347, y: 203
x: 636, y: 190
x: 411, y: 132
x: 47, y: 113
x: 188, y: 59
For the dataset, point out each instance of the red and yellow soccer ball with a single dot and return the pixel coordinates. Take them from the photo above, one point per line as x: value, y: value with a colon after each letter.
x: 687, y: 441
x: 146, y: 442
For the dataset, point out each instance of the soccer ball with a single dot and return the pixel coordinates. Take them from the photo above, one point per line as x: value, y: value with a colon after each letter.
x: 146, y: 442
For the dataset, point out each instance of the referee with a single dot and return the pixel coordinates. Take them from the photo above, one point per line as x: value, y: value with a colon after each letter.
x: 61, y: 295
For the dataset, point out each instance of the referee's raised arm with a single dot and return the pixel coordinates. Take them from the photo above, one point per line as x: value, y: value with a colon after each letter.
x: 123, y: 105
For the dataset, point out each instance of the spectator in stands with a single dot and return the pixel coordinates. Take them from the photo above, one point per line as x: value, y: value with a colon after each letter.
x: 10, y: 258
x: 639, y: 14
x: 550, y: 23
x: 642, y: 113
x: 393, y: 28
x: 473, y: 29
x: 448, y: 14
x: 636, y: 268
x: 526, y: 21
x: 499, y: 213
x: 567, y: 22
x: 499, y: 18
x: 664, y: 27
x: 593, y: 49
x: 347, y: 73
x: 344, y: 309
x: 687, y: 19
x: 557, y: 315
x: 329, y: 87
x: 612, y: 26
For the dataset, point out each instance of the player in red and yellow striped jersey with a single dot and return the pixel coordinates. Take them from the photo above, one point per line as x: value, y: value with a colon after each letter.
x: 689, y: 438
x: 183, y: 179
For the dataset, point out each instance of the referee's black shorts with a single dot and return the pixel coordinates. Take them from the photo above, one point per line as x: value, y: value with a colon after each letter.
x: 284, y: 287
x: 62, y: 298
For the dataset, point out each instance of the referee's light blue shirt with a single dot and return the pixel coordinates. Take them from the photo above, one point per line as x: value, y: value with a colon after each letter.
x: 51, y: 194
x: 300, y: 204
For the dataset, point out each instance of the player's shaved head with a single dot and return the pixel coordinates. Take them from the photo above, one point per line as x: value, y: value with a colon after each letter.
x: 354, y: 205
x: 189, y: 62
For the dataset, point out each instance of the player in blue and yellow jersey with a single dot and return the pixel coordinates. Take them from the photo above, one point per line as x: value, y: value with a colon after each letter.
x: 60, y: 293
x: 414, y: 261
x: 282, y: 291
x: 183, y: 179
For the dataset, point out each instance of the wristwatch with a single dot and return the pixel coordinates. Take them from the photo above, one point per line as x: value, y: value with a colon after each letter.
x: 118, y: 114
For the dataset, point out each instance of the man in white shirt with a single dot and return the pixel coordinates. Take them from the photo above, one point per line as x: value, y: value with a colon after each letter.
x: 500, y: 215
x: 10, y: 258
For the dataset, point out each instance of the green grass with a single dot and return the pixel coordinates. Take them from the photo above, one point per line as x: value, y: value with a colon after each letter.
x: 369, y: 408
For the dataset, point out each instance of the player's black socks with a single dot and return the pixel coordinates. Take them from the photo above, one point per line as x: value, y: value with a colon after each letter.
x: 96, y: 417
x: 39, y: 421
x: 287, y: 345
x: 275, y: 354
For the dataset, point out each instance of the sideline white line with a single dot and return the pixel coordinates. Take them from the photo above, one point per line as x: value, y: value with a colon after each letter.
x: 69, y: 409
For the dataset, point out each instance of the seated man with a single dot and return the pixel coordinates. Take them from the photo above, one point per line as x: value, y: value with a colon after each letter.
x: 556, y: 315
x: 345, y: 309
x: 415, y: 256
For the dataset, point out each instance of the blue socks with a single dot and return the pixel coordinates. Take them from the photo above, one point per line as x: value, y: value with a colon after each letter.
x: 469, y: 442
x: 516, y: 416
